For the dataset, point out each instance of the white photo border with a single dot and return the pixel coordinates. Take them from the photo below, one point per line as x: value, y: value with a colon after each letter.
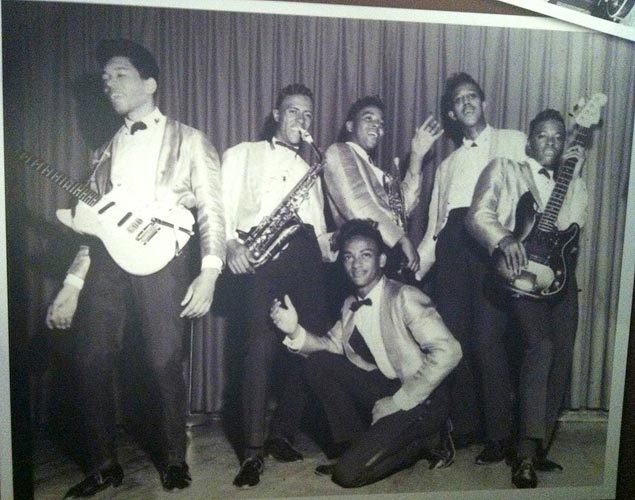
x: 605, y: 490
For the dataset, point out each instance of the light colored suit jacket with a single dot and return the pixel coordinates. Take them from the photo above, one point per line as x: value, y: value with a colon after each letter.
x: 419, y: 346
x: 492, y: 215
x: 354, y: 192
x: 188, y: 174
x: 504, y: 143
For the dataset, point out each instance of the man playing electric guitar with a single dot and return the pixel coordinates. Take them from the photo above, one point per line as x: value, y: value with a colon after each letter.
x: 159, y: 160
x: 548, y: 327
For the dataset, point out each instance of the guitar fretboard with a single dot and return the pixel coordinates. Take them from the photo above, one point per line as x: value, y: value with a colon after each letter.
x: 549, y: 216
x: 77, y: 189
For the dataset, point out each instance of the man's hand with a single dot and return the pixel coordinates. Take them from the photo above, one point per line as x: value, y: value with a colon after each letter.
x: 200, y: 294
x: 514, y: 253
x: 61, y: 311
x: 425, y: 136
x: 285, y: 318
x: 239, y: 258
x: 410, y: 252
x: 576, y: 152
x: 384, y: 407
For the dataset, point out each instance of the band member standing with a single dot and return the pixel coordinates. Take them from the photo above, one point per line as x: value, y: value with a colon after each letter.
x: 548, y: 327
x: 161, y: 161
x: 473, y: 315
x: 256, y: 178
x: 382, y: 362
x: 355, y: 185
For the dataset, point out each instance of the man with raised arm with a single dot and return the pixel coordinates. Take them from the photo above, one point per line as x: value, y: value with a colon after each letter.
x: 378, y: 370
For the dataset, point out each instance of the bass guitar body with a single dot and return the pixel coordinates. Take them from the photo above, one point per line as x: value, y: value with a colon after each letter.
x: 551, y: 255
x: 141, y: 239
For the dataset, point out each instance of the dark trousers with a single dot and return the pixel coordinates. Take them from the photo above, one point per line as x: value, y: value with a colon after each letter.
x: 548, y: 331
x: 477, y: 317
x: 297, y: 272
x: 393, y: 443
x: 110, y: 297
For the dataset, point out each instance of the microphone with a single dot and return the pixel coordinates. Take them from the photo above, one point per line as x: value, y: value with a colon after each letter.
x: 306, y: 137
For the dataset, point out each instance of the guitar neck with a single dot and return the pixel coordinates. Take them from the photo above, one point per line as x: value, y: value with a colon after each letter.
x: 79, y: 190
x: 548, y: 218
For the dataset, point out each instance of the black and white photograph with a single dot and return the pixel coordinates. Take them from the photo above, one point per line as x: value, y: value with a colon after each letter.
x: 283, y: 249
x: 616, y: 17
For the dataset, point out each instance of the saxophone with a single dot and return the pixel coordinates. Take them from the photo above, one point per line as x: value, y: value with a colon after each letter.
x: 266, y: 240
x: 395, y: 195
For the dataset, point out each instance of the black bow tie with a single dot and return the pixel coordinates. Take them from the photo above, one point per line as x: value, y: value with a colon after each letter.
x: 359, y: 303
x: 137, y: 126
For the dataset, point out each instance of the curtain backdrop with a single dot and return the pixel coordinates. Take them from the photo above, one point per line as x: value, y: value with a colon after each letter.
x: 220, y: 73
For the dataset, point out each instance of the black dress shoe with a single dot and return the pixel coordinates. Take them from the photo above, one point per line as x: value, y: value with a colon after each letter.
x: 111, y: 476
x: 282, y: 450
x: 325, y: 469
x: 442, y: 455
x: 524, y: 474
x: 176, y: 476
x: 249, y: 473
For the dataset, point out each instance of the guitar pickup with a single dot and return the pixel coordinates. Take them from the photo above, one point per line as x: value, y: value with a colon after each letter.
x: 105, y: 207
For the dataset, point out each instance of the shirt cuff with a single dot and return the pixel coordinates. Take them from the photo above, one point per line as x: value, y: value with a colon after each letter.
x: 403, y: 400
x: 294, y: 345
x: 213, y: 262
x: 75, y: 281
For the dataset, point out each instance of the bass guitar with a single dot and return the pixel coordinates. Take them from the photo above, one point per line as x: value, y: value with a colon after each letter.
x: 551, y: 253
x: 141, y: 239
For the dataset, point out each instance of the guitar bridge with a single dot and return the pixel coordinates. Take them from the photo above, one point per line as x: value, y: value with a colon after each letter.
x: 148, y: 233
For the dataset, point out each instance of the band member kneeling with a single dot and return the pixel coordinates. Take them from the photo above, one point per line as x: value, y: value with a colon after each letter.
x: 378, y: 370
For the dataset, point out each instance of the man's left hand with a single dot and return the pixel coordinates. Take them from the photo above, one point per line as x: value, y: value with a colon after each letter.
x: 425, y: 136
x: 200, y: 294
x: 384, y: 407
x: 576, y: 152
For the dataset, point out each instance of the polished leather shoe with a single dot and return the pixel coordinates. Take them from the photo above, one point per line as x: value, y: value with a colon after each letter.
x: 176, y: 476
x: 442, y: 455
x: 524, y: 474
x: 282, y: 450
x: 249, y: 473
x: 324, y: 470
x: 110, y: 476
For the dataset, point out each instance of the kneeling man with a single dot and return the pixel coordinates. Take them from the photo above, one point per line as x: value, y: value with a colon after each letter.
x: 378, y: 370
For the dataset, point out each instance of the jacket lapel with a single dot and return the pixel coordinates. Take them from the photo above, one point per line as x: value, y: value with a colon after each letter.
x: 527, y: 175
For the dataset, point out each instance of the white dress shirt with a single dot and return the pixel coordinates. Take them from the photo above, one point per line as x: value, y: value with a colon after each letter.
x: 136, y: 157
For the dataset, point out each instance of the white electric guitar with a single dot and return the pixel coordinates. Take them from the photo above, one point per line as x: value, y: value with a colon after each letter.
x: 142, y: 239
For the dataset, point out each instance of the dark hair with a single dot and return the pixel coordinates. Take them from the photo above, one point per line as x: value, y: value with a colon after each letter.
x: 547, y: 114
x: 369, y: 100
x: 365, y: 228
x: 293, y: 89
x: 452, y: 128
x: 138, y: 55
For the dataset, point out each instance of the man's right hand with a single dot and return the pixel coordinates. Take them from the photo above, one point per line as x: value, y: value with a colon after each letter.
x: 285, y: 317
x: 410, y: 252
x: 239, y: 258
x: 514, y: 253
x: 60, y: 313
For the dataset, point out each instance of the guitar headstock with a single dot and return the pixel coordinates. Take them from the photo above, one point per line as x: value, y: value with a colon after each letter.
x: 587, y: 112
